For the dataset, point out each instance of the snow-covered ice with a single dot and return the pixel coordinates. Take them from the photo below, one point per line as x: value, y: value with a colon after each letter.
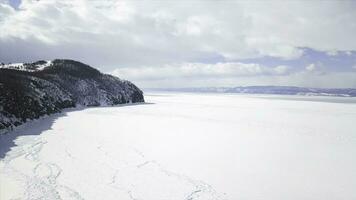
x: 188, y: 147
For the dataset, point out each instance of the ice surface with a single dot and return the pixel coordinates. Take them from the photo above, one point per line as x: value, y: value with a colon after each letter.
x: 188, y: 147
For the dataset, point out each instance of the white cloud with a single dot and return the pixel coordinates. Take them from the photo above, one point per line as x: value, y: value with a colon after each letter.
x: 124, y: 34
x: 232, y: 74
x: 333, y: 53
x: 198, y: 70
x: 349, y: 53
x: 281, y: 69
x: 311, y: 67
x: 233, y: 29
x: 5, y: 10
x: 330, y: 80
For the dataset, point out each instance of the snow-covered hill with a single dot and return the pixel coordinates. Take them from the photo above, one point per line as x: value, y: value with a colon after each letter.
x: 31, y: 90
x: 280, y: 90
x: 29, y: 67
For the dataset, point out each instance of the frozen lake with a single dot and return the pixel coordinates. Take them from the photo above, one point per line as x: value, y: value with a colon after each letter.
x: 188, y: 147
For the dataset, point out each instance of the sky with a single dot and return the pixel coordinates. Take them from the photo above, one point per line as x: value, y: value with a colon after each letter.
x: 190, y: 43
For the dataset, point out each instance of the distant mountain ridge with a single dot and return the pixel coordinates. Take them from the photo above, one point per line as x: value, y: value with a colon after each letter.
x: 31, y: 90
x: 281, y: 90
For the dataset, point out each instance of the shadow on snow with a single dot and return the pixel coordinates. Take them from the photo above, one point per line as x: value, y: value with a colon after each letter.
x: 38, y: 126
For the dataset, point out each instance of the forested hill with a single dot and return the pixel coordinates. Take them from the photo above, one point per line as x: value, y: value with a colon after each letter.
x: 31, y: 90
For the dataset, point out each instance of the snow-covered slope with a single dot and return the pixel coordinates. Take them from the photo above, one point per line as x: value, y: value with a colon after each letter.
x: 29, y: 67
x: 28, y: 91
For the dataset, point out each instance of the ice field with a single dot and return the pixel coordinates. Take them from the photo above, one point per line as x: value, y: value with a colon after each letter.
x: 187, y: 147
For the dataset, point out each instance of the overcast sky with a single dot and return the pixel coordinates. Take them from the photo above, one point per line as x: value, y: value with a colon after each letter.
x: 196, y: 43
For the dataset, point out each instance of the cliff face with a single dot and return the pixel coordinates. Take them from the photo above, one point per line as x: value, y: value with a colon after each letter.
x: 28, y: 91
